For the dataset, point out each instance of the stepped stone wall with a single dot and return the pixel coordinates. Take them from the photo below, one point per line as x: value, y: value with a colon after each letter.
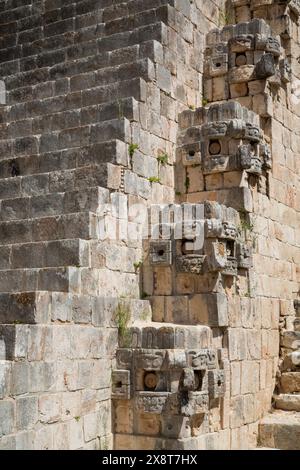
x: 115, y: 110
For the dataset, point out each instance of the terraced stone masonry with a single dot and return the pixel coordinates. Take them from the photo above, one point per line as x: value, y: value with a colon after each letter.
x: 111, y: 341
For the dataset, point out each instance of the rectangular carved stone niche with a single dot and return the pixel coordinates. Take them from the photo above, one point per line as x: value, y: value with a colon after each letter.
x: 121, y: 385
x: 161, y: 253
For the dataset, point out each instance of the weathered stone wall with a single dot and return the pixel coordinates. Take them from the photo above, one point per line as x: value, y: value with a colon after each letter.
x: 84, y: 79
x: 101, y: 96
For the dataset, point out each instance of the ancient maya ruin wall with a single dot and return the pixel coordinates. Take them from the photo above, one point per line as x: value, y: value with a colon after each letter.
x: 170, y: 340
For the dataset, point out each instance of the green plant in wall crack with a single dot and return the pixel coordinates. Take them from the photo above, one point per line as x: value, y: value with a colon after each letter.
x: 226, y: 17
x: 123, y: 317
x: 163, y: 159
x: 137, y: 265
x: 132, y: 148
x: 154, y: 179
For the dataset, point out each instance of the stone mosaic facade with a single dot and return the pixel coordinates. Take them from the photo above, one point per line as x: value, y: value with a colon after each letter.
x: 149, y: 221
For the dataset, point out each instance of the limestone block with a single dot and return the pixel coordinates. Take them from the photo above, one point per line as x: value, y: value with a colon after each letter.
x: 121, y: 385
x: 160, y: 253
x: 76, y: 434
x: 26, y: 412
x: 290, y: 382
x: 288, y: 402
x: 7, y: 415
x: 235, y: 378
x: 210, y: 309
x: 176, y: 309
x: 162, y: 281
x: 50, y: 408
x: 237, y: 344
x: 176, y: 427
x: 216, y: 383
x: 250, y: 377
x: 242, y: 74
x: 27, y: 307
x: 8, y: 443
x: 61, y: 436
x: 90, y: 426
x: 237, y: 412
x: 238, y: 90
x: 42, y: 376
x: 219, y: 89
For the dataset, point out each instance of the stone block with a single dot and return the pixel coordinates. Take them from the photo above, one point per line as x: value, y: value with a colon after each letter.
x: 290, y: 382
x: 7, y: 417
x: 210, y: 309
x: 50, y: 408
x: 26, y: 412
x: 121, y: 385
x: 90, y: 426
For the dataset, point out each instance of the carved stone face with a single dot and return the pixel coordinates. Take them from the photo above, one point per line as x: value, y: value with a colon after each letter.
x: 240, y: 54
x: 170, y: 382
x: 206, y: 245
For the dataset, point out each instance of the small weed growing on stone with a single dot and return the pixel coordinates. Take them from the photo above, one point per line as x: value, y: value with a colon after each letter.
x: 154, y: 179
x: 137, y: 265
x: 245, y: 224
x: 132, y: 148
x: 123, y: 316
x: 163, y: 159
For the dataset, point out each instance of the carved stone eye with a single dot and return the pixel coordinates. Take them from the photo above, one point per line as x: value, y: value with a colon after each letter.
x: 150, y: 381
x: 240, y: 60
x: 214, y: 147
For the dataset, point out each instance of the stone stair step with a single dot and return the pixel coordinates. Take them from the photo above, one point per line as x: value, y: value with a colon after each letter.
x: 112, y: 151
x: 82, y: 79
x: 45, y: 306
x: 29, y: 280
x: 290, y: 382
x: 54, y: 204
x: 281, y: 430
x: 54, y: 182
x: 75, y: 252
x: 79, y: 225
x: 287, y: 402
x: 67, y: 108
x: 68, y: 139
x: 92, y: 46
